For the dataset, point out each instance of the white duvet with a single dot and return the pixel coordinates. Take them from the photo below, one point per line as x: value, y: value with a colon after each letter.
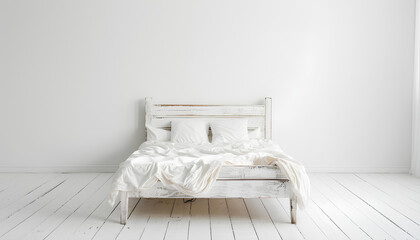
x: 192, y: 169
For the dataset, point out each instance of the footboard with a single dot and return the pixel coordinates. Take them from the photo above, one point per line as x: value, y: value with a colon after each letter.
x: 222, y: 188
x: 225, y: 189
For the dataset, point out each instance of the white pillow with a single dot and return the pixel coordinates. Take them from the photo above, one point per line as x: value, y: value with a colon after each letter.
x: 254, y: 133
x: 229, y: 130
x: 190, y: 131
x: 158, y: 134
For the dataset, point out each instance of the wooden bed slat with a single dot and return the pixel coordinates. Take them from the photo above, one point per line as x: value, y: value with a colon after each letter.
x: 199, y: 110
x: 251, y: 172
x: 268, y: 116
x: 226, y: 189
x: 165, y: 122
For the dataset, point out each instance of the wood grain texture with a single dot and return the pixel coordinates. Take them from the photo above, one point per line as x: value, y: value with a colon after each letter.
x: 124, y: 208
x: 43, y: 230
x: 179, y: 222
x: 158, y: 221
x: 224, y: 189
x: 221, y: 227
x: 358, y: 204
x: 268, y: 118
x: 293, y: 209
x: 384, y: 205
x: 358, y: 216
x: 37, y: 211
x: 165, y: 121
x: 138, y: 220
x: 261, y: 220
x: 82, y: 213
x: 281, y: 220
x: 343, y: 207
x: 251, y: 172
x: 200, y: 110
x: 161, y: 115
x: 241, y: 222
x: 200, y: 227
x: 233, y: 181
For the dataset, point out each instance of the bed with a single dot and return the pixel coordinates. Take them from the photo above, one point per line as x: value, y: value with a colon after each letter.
x: 233, y: 181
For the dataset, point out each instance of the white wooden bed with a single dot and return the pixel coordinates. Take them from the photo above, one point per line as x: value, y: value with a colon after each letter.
x: 233, y: 181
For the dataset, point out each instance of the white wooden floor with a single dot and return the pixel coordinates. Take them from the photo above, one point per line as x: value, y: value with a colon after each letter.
x: 342, y: 206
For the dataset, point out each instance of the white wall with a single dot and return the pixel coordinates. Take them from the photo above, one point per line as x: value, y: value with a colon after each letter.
x: 73, y: 76
x: 415, y: 153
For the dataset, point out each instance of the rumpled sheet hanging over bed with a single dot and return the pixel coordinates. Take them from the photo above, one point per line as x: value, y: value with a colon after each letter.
x: 192, y: 169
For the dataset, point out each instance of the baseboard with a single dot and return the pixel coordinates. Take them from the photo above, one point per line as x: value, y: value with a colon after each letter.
x: 401, y: 169
x: 113, y: 168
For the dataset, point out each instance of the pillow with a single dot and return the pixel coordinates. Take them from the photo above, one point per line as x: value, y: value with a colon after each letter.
x: 158, y: 134
x: 254, y: 133
x: 229, y: 130
x: 190, y: 131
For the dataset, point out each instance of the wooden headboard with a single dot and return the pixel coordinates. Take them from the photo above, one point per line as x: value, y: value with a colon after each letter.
x: 161, y: 115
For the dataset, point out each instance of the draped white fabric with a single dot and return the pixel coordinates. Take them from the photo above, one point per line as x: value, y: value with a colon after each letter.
x: 192, y: 169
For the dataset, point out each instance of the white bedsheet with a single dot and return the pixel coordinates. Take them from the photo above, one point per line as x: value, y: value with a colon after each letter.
x: 192, y: 169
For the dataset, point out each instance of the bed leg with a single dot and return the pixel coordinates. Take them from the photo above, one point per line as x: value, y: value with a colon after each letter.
x: 293, y: 208
x: 124, y: 208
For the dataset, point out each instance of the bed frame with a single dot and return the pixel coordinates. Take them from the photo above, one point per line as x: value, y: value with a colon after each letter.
x: 233, y: 181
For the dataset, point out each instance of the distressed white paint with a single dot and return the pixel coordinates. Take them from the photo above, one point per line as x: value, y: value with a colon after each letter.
x: 344, y: 207
x: 124, y: 207
x: 160, y: 115
x: 250, y: 172
x: 224, y: 189
x: 268, y: 118
x: 293, y: 209
x: 234, y: 181
x: 206, y: 110
x: 165, y: 122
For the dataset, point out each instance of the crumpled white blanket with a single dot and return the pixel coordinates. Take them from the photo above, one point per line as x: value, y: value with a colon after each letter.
x: 192, y: 169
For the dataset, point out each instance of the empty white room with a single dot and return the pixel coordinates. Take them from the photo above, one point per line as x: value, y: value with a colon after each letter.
x: 209, y: 119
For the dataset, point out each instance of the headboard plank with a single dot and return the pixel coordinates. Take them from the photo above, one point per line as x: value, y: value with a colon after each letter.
x: 253, y: 122
x: 148, y: 109
x: 161, y: 115
x: 257, y: 110
x: 268, y: 120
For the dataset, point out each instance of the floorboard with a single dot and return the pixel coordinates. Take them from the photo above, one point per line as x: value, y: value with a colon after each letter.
x: 370, y: 212
x: 75, y: 206
x: 349, y: 227
x: 406, y: 181
x: 179, y: 222
x: 76, y: 218
x: 350, y: 210
x: 38, y: 217
x: 281, y: 220
x: 158, y: 222
x: 111, y: 227
x: 261, y: 220
x: 221, y: 226
x: 379, y: 203
x: 200, y: 227
x: 393, y: 185
x: 137, y: 221
x: 51, y: 224
x: 20, y: 189
x: 241, y: 222
x: 306, y: 225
